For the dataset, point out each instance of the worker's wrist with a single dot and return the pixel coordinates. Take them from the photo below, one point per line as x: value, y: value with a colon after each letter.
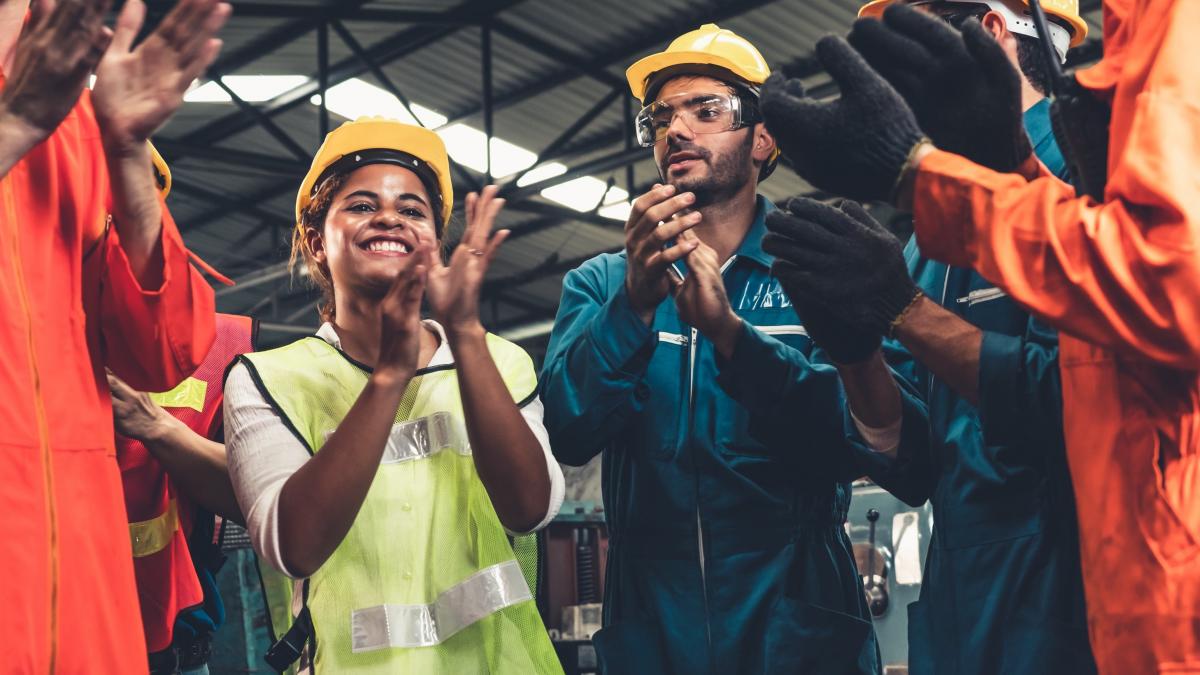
x: 906, y: 183
x: 390, y: 379
x: 17, y: 135
x: 465, y: 334
x: 163, y: 431
x: 910, y: 322
x: 725, y: 334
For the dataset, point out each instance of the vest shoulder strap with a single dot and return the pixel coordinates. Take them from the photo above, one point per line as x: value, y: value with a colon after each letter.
x: 516, y: 368
x: 301, y: 376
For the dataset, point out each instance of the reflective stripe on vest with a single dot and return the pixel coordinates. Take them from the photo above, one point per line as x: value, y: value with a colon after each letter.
x: 485, y: 592
x: 151, y: 536
x: 421, y: 439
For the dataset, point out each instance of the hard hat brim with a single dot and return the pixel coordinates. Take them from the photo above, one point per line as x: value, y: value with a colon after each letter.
x: 383, y: 134
x: 639, y: 73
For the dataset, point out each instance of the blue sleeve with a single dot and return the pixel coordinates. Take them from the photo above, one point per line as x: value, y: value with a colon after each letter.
x: 763, y: 371
x: 598, y: 352
x: 1020, y: 389
x: 786, y: 392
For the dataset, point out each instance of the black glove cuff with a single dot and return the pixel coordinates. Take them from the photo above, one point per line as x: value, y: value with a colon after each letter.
x: 888, y: 308
x: 891, y: 154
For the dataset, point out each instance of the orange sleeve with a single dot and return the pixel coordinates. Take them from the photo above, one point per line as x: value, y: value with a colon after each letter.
x: 154, y: 338
x: 1124, y: 274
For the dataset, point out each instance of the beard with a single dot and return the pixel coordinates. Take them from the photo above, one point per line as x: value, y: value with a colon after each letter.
x: 727, y: 173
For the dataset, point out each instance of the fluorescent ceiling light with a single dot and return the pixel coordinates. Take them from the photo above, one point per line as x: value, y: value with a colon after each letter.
x: 356, y: 98
x: 549, y: 170
x: 619, y: 211
x: 466, y: 145
x: 617, y: 205
x: 253, y: 88
x: 585, y: 193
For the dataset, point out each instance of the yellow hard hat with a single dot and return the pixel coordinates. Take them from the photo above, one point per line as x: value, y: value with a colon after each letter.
x: 378, y: 140
x: 708, y: 45
x: 701, y: 51
x: 162, y: 172
x: 1017, y: 16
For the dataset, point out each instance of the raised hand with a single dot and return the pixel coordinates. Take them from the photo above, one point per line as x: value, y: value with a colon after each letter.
x: 656, y: 218
x: 701, y: 299
x: 454, y: 288
x: 400, y: 313
x: 962, y: 88
x: 840, y: 259
x: 856, y: 145
x: 138, y: 89
x: 59, y: 47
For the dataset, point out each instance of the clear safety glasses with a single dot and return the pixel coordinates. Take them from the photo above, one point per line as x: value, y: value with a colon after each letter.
x: 701, y: 113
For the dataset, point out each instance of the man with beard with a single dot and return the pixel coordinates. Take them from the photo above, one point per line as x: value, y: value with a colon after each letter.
x: 728, y: 548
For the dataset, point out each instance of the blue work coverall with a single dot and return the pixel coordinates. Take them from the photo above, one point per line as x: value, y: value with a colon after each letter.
x: 726, y: 510
x: 1002, y: 589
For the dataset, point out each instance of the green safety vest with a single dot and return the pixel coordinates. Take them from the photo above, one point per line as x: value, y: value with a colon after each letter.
x: 425, y: 581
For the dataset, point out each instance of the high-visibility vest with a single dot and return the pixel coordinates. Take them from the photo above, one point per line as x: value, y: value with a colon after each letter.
x: 160, y: 519
x: 425, y: 581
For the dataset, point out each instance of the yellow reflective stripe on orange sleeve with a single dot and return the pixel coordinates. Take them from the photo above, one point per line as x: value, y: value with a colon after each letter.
x: 187, y: 394
x: 151, y: 536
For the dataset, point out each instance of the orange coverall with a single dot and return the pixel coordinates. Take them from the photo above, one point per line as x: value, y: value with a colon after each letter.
x: 67, y: 598
x: 1121, y: 281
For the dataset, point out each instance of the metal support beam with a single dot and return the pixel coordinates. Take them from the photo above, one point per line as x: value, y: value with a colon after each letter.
x: 275, y: 327
x: 550, y: 267
x: 251, y: 203
x: 571, y: 132
x: 537, y: 44
x: 208, y: 196
x: 264, y: 276
x: 300, y: 313
x: 526, y: 331
x: 264, y: 121
x: 172, y: 150
x: 234, y: 248
x: 485, y: 59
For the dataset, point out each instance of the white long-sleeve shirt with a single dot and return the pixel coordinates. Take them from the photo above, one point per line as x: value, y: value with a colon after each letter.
x: 263, y: 453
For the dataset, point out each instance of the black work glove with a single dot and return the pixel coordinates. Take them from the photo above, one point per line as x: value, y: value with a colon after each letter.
x: 1081, y: 123
x: 965, y: 92
x: 854, y: 146
x: 840, y: 258
x: 844, y: 343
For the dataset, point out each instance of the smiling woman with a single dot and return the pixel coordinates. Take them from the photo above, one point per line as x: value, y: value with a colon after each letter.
x: 383, y: 462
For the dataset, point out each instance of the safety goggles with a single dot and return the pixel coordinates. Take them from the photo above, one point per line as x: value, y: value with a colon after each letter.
x: 701, y: 113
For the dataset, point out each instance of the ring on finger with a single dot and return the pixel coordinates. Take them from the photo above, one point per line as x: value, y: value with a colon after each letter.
x: 476, y: 251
